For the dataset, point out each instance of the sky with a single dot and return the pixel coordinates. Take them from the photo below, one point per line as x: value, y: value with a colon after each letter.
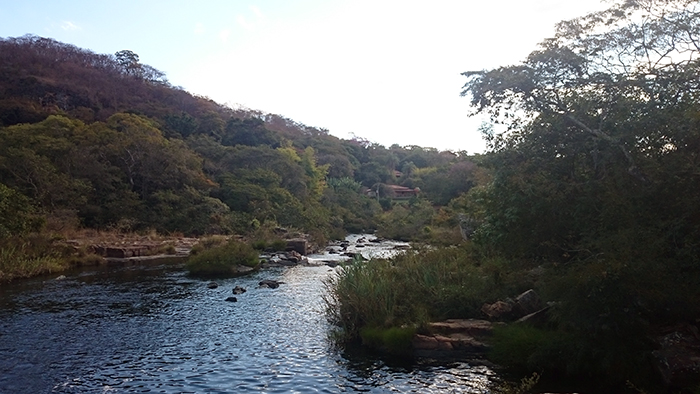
x: 388, y: 71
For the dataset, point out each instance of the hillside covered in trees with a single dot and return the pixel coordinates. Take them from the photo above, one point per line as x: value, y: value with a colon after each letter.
x: 105, y: 142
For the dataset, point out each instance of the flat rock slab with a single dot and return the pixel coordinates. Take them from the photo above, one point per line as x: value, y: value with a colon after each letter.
x: 448, y: 347
x: 453, y: 337
x: 471, y: 327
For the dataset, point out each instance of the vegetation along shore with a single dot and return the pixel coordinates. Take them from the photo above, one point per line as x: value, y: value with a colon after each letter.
x: 587, y: 200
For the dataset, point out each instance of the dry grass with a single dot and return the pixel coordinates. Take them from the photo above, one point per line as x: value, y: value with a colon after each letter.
x: 67, y: 247
x: 21, y: 260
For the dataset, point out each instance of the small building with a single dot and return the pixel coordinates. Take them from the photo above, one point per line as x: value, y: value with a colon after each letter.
x: 402, y: 192
x: 391, y: 191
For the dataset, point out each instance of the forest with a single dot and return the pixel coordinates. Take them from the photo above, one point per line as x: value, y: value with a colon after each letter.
x: 589, y: 192
x: 103, y: 142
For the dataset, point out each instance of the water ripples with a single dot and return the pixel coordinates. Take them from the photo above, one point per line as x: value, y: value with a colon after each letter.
x: 153, y: 329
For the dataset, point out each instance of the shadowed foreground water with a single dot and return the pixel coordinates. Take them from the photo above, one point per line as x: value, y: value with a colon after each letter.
x: 153, y: 329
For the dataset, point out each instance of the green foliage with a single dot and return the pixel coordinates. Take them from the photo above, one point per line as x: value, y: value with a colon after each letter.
x: 594, y: 176
x: 183, y: 124
x: 107, y: 172
x: 412, y: 289
x: 601, y: 144
x: 407, y: 223
x: 251, y: 132
x: 19, y: 261
x: 36, y: 254
x: 344, y: 184
x: 223, y: 260
x: 17, y: 214
x: 209, y: 242
x: 188, y: 211
x: 514, y: 345
x: 444, y: 183
x: 349, y: 210
x: 119, y: 146
x: 571, y: 353
x: 395, y: 340
x: 267, y: 236
x: 316, y: 175
x: 371, y: 173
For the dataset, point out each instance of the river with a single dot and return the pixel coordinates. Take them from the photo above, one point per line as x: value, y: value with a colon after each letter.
x: 151, y: 328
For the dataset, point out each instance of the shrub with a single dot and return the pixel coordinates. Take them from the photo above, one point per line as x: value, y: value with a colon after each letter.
x: 410, y: 290
x: 209, y: 243
x: 223, y: 260
x: 259, y: 244
x: 278, y: 244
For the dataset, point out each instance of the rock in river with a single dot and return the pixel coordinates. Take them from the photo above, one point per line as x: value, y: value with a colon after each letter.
x: 239, y: 290
x: 271, y: 284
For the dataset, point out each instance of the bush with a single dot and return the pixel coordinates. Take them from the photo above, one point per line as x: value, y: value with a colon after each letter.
x: 205, y: 243
x: 223, y: 260
x: 411, y: 289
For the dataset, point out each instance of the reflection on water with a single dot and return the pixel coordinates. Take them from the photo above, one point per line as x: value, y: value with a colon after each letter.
x: 153, y: 329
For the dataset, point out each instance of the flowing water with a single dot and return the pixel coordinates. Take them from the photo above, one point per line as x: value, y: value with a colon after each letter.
x: 151, y: 328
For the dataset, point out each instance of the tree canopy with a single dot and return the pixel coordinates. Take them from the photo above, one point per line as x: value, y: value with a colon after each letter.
x: 108, y: 141
x: 594, y: 152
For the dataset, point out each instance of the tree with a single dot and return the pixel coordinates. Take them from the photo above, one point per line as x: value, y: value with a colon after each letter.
x: 613, y: 93
x: 251, y: 132
x: 644, y: 57
x: 594, y: 153
x: 129, y: 62
x: 17, y: 213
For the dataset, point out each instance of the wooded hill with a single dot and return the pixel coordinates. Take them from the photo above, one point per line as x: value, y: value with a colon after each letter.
x: 104, y: 141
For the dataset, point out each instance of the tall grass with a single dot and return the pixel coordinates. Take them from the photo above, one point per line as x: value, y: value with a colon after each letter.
x: 222, y: 259
x: 412, y: 289
x: 22, y: 260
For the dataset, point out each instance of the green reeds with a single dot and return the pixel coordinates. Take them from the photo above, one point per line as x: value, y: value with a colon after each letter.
x: 21, y: 260
x: 222, y: 260
x: 410, y: 290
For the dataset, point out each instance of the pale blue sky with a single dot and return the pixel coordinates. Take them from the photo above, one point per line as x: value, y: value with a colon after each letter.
x: 385, y: 70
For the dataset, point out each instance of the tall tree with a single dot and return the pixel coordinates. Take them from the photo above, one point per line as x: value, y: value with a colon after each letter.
x: 129, y: 62
x: 613, y: 92
x: 595, y: 175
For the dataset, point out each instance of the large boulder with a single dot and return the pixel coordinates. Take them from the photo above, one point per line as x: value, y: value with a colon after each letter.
x: 298, y: 245
x: 499, y: 310
x: 527, y: 303
x: 293, y: 256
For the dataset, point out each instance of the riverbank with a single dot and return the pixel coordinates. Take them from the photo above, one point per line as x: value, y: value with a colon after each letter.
x: 46, y: 253
x: 39, y: 254
x: 384, y: 304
